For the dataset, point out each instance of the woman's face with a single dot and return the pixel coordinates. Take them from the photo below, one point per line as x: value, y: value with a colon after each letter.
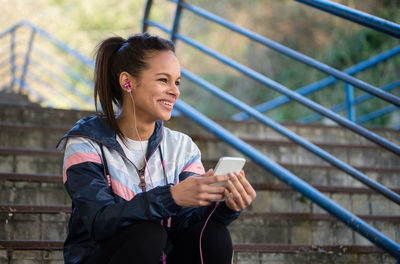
x: 158, y: 89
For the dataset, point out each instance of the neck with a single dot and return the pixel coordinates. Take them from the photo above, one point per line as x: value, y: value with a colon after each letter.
x: 126, y: 123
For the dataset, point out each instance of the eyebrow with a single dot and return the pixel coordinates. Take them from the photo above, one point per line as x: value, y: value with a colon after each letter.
x: 167, y: 74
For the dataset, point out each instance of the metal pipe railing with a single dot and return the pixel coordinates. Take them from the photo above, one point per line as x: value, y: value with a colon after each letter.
x: 61, y: 45
x: 176, y: 23
x: 26, y: 60
x: 357, y: 100
x: 12, y: 59
x: 356, y: 16
x: 293, y: 54
x: 286, y: 91
x: 351, y: 110
x: 296, y: 183
x: 64, y: 68
x: 146, y: 14
x: 292, y: 136
x: 361, y: 227
x: 62, y: 82
x: 323, y: 83
x: 375, y: 114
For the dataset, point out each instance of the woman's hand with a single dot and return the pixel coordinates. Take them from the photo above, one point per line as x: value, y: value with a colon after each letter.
x: 238, y: 193
x: 196, y: 190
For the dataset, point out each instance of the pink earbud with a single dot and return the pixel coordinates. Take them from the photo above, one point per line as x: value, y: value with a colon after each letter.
x: 127, y: 85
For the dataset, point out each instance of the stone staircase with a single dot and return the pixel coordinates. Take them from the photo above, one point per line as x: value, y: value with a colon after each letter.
x: 281, y: 226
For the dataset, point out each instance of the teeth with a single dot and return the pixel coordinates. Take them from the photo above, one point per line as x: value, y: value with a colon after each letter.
x: 167, y: 103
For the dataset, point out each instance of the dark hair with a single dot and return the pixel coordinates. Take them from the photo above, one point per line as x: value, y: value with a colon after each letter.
x: 116, y: 55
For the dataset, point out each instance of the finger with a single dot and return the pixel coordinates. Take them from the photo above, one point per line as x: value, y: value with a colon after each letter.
x: 230, y: 202
x: 210, y: 172
x: 247, y: 186
x: 214, y: 179
x: 236, y: 195
x: 212, y: 197
x: 239, y: 187
x: 213, y: 189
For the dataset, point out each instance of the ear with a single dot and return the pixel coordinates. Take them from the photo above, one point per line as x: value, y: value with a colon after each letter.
x: 124, y: 78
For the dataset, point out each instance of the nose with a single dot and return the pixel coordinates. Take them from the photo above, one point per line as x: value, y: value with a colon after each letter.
x: 174, y: 90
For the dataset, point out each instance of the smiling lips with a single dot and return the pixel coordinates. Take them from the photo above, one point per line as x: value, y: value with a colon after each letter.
x: 167, y: 104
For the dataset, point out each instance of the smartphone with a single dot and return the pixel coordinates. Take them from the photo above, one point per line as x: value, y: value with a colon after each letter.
x: 226, y: 165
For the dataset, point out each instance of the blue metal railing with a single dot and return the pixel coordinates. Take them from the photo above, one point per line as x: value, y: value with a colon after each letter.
x: 356, y: 16
x: 62, y: 78
x: 292, y: 180
x: 291, y: 53
x: 308, y: 89
x: 357, y: 100
x: 281, y: 173
x: 286, y: 91
x: 293, y: 136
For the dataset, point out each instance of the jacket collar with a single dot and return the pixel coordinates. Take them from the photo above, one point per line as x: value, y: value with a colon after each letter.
x: 97, y: 128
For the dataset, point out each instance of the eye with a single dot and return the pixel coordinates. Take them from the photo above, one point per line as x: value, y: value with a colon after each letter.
x: 164, y: 80
x: 177, y: 83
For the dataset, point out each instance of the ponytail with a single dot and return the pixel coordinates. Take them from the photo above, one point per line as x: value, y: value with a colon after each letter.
x: 106, y: 88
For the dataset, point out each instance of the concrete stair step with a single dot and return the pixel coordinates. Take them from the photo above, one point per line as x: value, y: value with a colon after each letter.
x: 212, y: 148
x: 28, y: 160
x: 51, y: 252
x: 288, y: 152
x: 312, y: 254
x: 31, y: 136
x: 47, y: 136
x: 319, y: 174
x: 10, y: 113
x: 316, y: 133
x: 49, y: 222
x: 305, y: 228
x: 30, y: 188
x: 19, y: 188
x: 290, y: 201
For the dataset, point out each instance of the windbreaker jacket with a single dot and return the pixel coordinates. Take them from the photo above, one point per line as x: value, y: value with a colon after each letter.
x: 104, y: 185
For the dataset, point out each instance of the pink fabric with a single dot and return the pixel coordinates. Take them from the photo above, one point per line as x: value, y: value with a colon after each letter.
x: 121, y: 190
x: 194, y: 167
x: 79, y: 158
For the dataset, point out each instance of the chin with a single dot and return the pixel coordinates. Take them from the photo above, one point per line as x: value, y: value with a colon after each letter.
x: 165, y: 117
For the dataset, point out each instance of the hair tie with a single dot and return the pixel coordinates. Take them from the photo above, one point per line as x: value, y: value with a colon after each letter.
x: 123, y: 46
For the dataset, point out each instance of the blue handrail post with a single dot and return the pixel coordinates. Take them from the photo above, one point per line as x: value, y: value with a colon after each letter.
x: 351, y: 112
x: 177, y: 19
x: 26, y: 61
x: 147, y: 8
x: 12, y: 59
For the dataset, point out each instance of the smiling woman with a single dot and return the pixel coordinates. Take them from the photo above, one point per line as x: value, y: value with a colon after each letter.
x: 139, y: 190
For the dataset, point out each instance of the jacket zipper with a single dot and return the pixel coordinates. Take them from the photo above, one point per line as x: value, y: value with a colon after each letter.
x: 142, y: 183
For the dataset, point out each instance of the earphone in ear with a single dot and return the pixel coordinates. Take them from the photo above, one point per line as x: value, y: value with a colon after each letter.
x: 127, y: 85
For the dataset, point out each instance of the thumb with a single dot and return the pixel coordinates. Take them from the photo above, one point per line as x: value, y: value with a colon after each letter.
x: 210, y: 172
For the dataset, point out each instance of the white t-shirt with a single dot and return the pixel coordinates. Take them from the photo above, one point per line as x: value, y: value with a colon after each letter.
x: 133, y: 151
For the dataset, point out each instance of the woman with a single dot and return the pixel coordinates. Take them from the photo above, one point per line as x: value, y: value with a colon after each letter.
x: 138, y: 189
